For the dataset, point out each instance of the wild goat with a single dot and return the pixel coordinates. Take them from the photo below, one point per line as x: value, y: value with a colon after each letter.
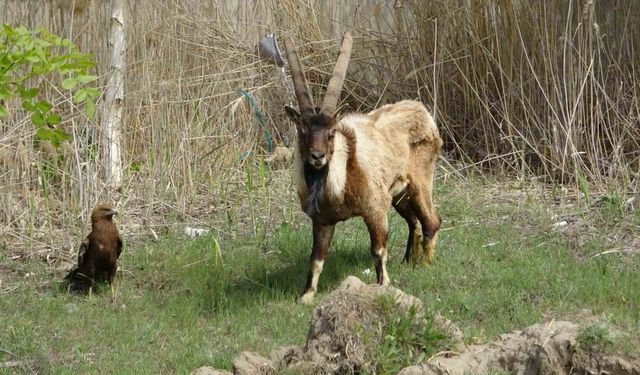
x: 360, y: 165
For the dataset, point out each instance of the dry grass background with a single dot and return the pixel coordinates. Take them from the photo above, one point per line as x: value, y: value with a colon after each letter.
x: 530, y: 88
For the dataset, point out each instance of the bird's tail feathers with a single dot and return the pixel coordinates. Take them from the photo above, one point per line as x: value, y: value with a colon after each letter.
x: 72, y: 274
x: 77, y: 280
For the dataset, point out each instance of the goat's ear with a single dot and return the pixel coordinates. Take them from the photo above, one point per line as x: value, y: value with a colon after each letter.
x: 293, y: 114
x: 296, y: 117
x: 332, y: 132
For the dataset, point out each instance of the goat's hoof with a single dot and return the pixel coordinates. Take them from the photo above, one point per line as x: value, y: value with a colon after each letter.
x: 306, y: 299
x: 419, y: 259
x: 428, y: 252
x: 417, y: 246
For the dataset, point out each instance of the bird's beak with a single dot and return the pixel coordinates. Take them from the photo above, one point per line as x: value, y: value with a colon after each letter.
x: 112, y: 212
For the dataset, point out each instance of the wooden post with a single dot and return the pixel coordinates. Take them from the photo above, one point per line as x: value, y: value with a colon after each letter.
x: 114, y: 97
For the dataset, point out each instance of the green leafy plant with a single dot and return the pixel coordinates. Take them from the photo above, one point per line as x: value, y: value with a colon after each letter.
x: 26, y: 58
x: 584, y: 187
x: 595, y: 337
x: 614, y: 204
x: 406, y: 339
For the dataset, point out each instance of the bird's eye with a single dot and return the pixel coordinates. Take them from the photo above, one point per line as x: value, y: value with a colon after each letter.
x: 332, y: 133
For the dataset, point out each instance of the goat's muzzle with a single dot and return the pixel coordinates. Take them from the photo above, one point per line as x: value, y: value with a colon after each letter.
x: 317, y: 159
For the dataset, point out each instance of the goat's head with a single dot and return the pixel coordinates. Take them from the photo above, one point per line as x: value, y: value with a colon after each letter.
x: 316, y: 125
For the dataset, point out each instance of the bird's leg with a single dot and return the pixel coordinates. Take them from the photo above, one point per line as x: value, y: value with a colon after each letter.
x: 111, y: 275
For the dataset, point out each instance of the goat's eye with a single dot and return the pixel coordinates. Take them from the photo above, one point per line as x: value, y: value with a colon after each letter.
x: 332, y: 133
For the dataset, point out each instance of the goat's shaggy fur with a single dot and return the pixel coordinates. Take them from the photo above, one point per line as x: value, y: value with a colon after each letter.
x: 383, y: 158
x: 375, y: 157
x: 361, y: 165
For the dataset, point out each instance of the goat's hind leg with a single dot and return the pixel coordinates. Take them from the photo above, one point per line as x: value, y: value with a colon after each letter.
x: 378, y: 227
x: 414, y: 241
x: 422, y: 206
x: 322, y: 235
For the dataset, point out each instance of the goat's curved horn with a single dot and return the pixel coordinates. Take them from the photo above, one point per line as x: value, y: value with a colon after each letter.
x: 303, y: 94
x: 337, y: 78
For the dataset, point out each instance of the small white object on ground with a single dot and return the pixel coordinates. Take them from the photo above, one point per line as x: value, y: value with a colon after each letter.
x: 560, y: 224
x: 195, y: 232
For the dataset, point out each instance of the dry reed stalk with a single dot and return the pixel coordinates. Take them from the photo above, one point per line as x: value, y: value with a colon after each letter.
x: 531, y: 88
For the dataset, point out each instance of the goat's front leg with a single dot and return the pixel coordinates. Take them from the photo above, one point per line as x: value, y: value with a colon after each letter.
x: 415, y: 229
x: 422, y: 206
x: 322, y: 235
x: 379, y: 232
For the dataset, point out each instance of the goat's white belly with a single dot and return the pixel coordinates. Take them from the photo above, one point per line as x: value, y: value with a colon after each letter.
x: 398, y: 186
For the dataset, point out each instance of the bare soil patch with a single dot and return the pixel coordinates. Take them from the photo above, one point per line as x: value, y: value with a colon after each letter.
x: 7, y: 276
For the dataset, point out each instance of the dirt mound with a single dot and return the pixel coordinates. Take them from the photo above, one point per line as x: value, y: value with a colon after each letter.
x: 540, y: 349
x: 346, y: 326
x: 346, y: 331
x: 350, y: 326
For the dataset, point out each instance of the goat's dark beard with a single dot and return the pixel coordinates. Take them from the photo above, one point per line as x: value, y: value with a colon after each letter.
x: 316, y: 180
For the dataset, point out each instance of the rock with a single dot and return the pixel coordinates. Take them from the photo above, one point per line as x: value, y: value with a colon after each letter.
x: 71, y: 308
x: 285, y: 356
x: 249, y: 363
x: 208, y: 370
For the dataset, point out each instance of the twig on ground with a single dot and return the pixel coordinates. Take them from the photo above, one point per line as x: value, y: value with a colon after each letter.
x: 11, y: 364
x: 442, y: 353
x: 10, y: 353
x: 609, y: 252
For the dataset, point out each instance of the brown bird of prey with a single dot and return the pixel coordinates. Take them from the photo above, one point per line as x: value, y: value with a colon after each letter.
x: 99, y: 252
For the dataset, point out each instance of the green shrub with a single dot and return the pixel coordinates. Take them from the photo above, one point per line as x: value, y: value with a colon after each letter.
x: 27, y: 59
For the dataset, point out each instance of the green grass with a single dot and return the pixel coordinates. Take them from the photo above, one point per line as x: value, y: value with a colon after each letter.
x: 179, y: 304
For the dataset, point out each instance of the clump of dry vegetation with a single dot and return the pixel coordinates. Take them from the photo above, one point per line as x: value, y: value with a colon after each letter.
x: 532, y: 88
